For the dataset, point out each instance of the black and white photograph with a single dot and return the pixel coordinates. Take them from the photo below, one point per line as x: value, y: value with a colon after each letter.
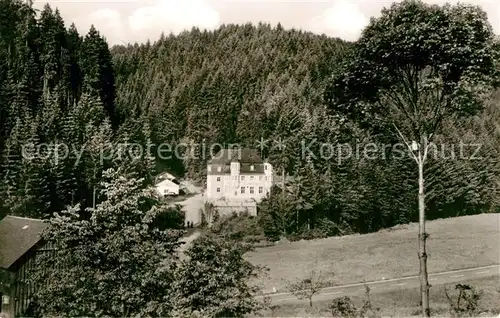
x: 249, y: 158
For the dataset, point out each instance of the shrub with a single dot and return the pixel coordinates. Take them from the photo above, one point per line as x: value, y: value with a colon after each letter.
x: 240, y: 227
x: 343, y: 307
x: 467, y: 300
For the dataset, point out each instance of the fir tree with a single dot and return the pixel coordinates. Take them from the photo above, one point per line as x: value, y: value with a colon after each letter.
x: 97, y: 68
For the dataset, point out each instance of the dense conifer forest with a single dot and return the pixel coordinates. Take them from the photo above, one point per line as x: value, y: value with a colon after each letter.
x: 83, y: 130
x: 57, y: 97
x: 239, y: 84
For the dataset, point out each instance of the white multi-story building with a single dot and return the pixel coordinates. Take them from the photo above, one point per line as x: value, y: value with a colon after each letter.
x: 238, y: 174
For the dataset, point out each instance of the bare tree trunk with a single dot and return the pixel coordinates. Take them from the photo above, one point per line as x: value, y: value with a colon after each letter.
x: 422, y: 236
x: 420, y: 158
x: 297, y: 220
x: 309, y: 220
x: 93, y: 198
x: 283, y: 179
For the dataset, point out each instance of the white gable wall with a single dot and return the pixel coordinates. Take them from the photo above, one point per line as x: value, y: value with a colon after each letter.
x: 167, y: 187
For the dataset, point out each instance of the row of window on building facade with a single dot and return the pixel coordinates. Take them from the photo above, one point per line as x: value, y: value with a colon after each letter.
x: 219, y: 169
x: 252, y: 190
x: 242, y: 178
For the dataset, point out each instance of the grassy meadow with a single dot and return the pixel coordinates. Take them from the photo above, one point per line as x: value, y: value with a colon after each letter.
x: 454, y: 243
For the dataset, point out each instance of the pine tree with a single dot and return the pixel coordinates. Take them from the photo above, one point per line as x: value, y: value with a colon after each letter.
x: 97, y: 68
x: 74, y: 42
x: 36, y: 198
x: 98, y: 157
x: 52, y: 31
x: 49, y: 117
x: 12, y: 169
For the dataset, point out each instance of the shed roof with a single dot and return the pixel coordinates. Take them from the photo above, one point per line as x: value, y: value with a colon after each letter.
x: 164, y: 176
x: 168, y: 182
x: 17, y: 236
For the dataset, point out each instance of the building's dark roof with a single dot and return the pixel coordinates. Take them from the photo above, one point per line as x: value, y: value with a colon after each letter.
x: 257, y: 169
x: 245, y: 155
x: 17, y: 236
x: 169, y: 181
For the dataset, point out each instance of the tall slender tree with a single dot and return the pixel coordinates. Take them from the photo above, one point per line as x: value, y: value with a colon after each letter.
x: 413, y: 67
x: 97, y: 67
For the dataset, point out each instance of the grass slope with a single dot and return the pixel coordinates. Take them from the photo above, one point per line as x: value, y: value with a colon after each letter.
x: 454, y: 243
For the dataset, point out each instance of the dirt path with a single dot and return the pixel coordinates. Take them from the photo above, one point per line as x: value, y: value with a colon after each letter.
x: 187, y: 240
x: 381, y: 286
x: 192, y: 207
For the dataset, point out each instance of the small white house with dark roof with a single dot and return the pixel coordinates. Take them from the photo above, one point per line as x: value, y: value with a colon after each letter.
x: 166, y: 185
x: 238, y: 174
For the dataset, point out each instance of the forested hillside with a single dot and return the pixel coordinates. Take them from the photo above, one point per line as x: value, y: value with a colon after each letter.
x: 57, y: 111
x: 238, y: 84
x: 85, y: 128
x: 242, y: 84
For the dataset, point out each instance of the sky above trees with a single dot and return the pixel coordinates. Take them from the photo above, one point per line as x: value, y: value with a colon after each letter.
x: 123, y: 21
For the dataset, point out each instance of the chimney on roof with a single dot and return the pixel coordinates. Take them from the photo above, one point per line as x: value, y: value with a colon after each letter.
x: 234, y: 153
